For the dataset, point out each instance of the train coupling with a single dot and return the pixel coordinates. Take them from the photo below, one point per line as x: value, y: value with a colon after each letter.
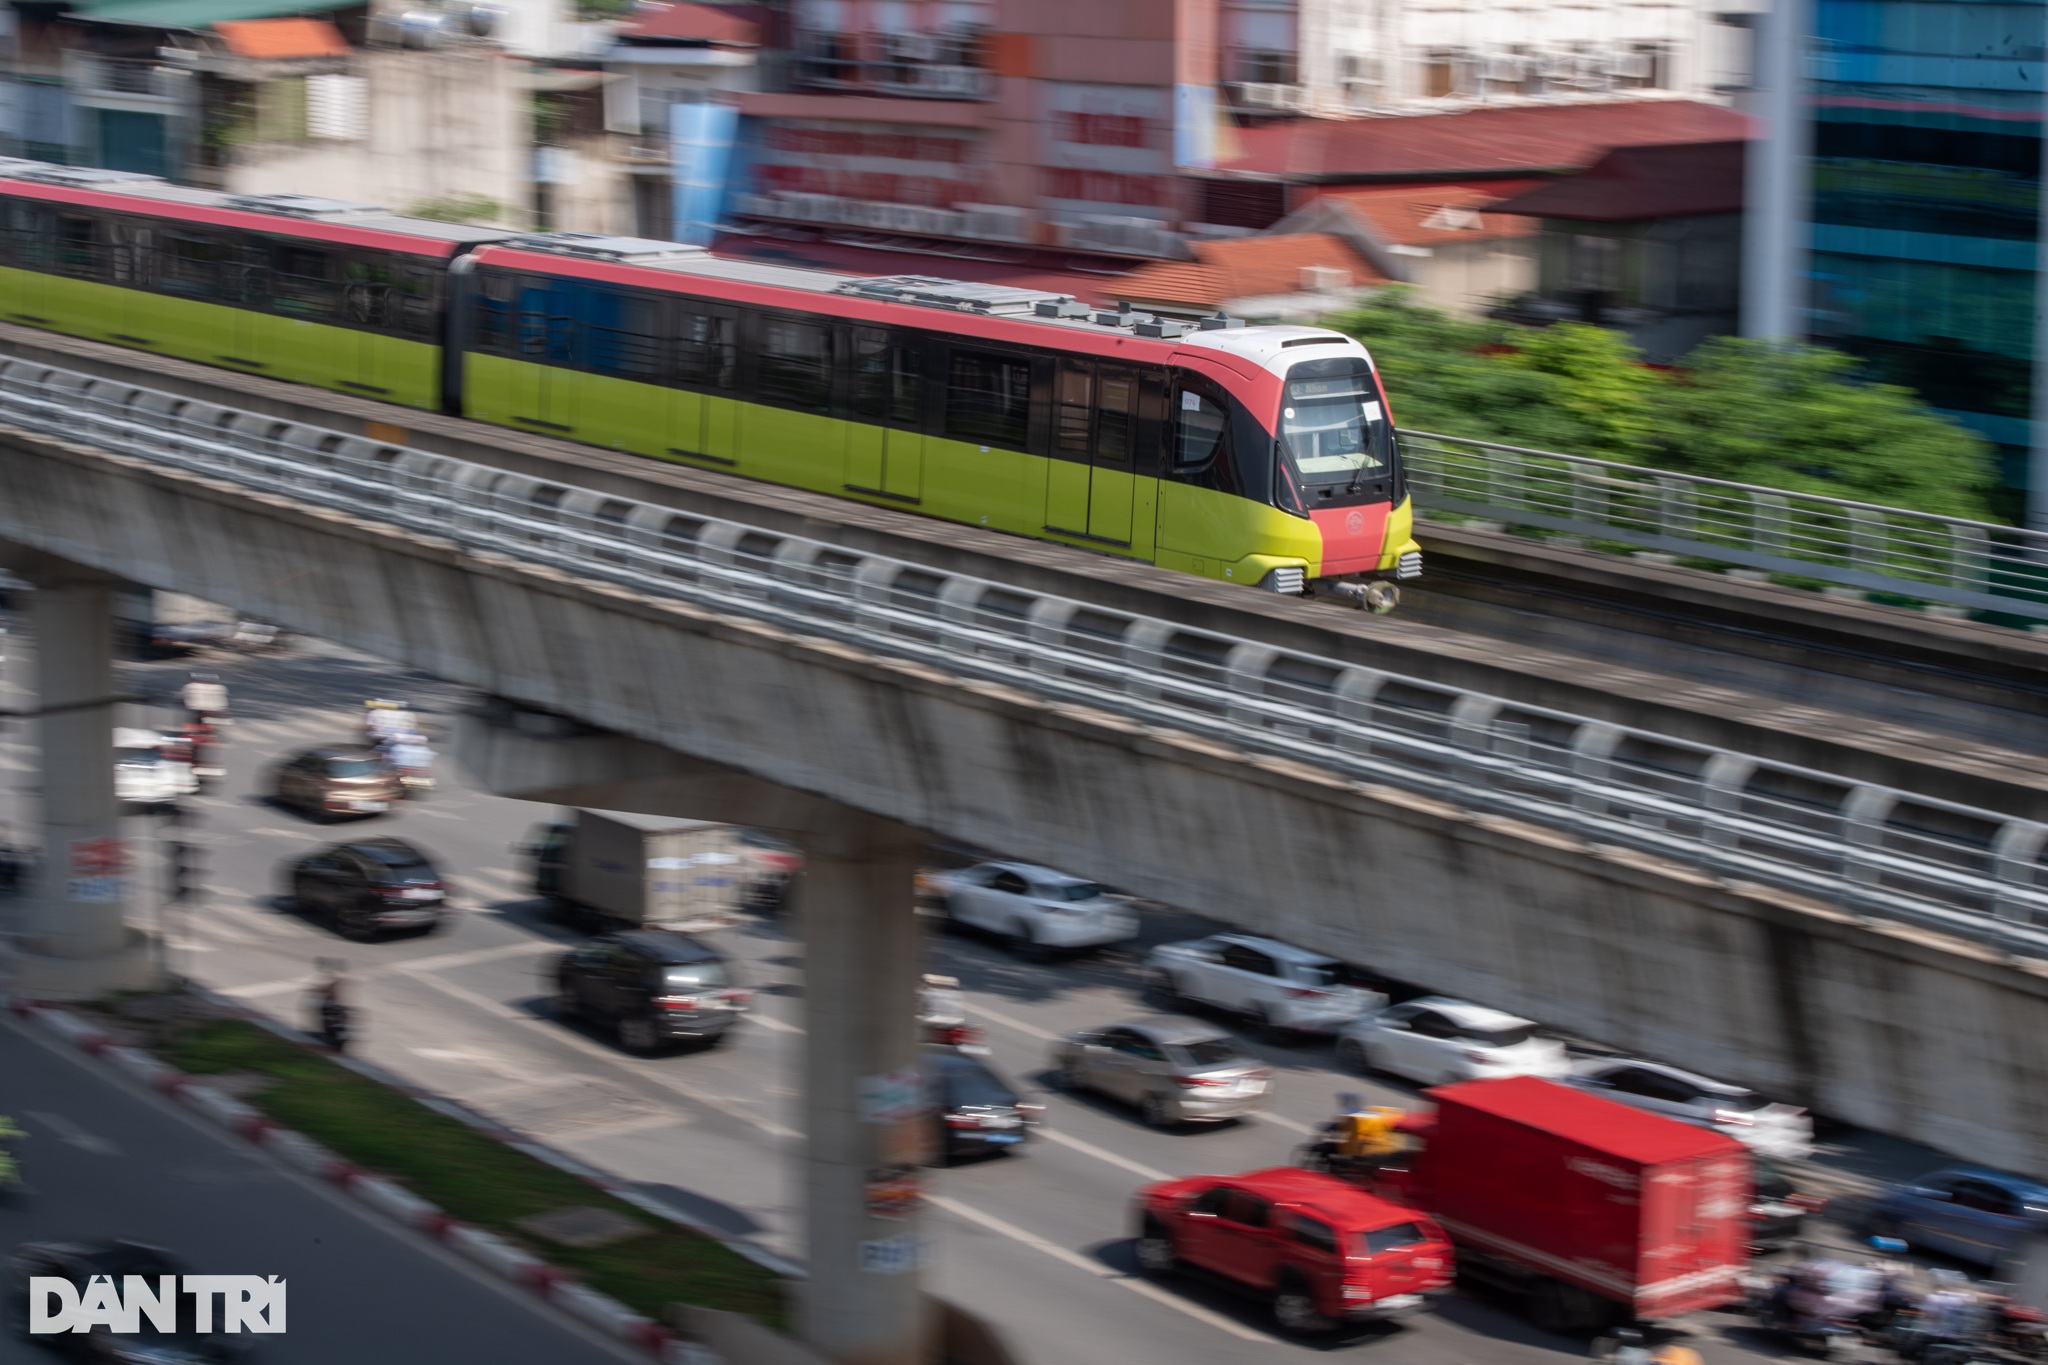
x: 1377, y: 596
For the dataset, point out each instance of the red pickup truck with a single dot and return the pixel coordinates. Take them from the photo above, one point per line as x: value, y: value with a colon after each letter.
x: 1321, y: 1249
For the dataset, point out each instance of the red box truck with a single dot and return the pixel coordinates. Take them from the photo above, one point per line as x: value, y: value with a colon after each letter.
x: 1595, y: 1211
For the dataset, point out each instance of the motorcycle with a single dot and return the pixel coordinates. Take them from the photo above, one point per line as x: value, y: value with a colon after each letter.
x: 1358, y: 1143
x: 942, y: 1017
x: 334, y: 1024
x: 1803, y: 1307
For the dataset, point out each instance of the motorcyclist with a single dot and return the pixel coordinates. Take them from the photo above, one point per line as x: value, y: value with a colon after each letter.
x: 327, y: 1003
x: 205, y: 696
x: 412, y: 760
x: 942, y: 1013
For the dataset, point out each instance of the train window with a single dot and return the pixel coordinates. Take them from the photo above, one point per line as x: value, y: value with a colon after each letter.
x: 988, y: 399
x: 1116, y: 411
x: 1073, y: 410
x: 886, y: 378
x: 493, y: 320
x: 190, y: 264
x: 376, y: 288
x: 303, y: 281
x: 625, y: 334
x: 1201, y: 427
x: 547, y: 321
x: 794, y: 367
x: 81, y: 246
x: 21, y: 232
x: 704, y: 351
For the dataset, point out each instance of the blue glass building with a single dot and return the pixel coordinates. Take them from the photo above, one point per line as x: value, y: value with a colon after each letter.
x: 1926, y: 210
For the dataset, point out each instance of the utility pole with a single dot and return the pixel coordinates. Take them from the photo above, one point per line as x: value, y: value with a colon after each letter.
x: 1777, y: 185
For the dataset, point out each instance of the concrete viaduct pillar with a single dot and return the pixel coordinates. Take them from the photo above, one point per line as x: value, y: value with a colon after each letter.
x: 867, y: 1131
x: 76, y: 939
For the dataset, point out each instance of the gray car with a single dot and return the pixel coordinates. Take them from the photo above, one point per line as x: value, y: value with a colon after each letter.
x: 1174, y: 1070
x: 1970, y: 1212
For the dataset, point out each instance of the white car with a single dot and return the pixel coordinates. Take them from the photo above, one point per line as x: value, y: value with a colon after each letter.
x: 1436, y: 1040
x: 1278, y: 986
x: 1034, y: 908
x: 1773, y: 1130
x: 142, y: 775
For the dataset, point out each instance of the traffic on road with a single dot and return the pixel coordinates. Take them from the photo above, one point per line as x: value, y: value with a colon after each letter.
x: 1202, y: 1145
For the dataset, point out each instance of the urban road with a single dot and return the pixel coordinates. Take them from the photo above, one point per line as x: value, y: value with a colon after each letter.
x: 1035, y: 1243
x: 105, y: 1157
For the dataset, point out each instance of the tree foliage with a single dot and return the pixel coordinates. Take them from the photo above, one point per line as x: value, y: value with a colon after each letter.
x: 1784, y: 417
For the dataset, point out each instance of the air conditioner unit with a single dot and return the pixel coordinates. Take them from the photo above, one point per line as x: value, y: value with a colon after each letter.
x: 911, y: 47
x: 1122, y: 236
x: 1504, y: 69
x: 956, y: 80
x: 1321, y: 279
x: 1267, y: 95
x: 815, y: 208
x: 1629, y: 65
x: 995, y: 222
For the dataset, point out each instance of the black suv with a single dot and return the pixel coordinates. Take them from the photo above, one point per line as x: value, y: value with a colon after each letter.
x: 652, y: 986
x: 80, y: 1262
x: 368, y: 887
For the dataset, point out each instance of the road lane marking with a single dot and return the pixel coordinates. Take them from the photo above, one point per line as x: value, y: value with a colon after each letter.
x: 1095, y: 1268
x: 260, y: 989
x: 328, y: 1193
x: 1018, y: 1024
x: 1102, y: 1154
x: 1266, y: 1116
x: 443, y: 961
x: 583, y: 1044
x: 71, y: 1133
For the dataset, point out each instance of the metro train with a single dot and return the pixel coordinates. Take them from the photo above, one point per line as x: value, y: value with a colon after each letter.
x: 1264, y: 456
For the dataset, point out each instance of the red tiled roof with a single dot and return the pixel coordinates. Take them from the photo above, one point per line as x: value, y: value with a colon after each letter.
x: 1428, y: 215
x: 1633, y: 183
x: 701, y: 23
x: 1478, y: 141
x: 272, y: 39
x: 1244, y: 267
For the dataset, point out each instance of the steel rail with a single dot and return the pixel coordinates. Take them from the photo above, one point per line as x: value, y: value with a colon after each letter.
x: 1877, y: 852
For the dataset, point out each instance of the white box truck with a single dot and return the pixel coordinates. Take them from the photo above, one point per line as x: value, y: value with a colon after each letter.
x: 606, y: 869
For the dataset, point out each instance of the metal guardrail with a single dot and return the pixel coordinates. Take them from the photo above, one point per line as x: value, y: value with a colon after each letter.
x: 1874, y: 851
x: 1978, y: 565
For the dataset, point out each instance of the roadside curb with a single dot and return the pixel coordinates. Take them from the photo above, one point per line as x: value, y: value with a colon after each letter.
x: 484, y: 1249
x: 510, y: 1137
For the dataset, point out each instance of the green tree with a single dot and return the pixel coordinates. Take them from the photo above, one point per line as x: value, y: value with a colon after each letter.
x: 1571, y: 387
x: 1794, y: 418
x: 1601, y: 384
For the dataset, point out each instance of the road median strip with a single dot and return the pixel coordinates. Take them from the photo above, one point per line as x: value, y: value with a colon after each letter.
x: 452, y: 1176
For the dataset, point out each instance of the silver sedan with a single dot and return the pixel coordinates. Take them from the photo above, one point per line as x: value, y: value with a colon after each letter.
x: 1174, y: 1070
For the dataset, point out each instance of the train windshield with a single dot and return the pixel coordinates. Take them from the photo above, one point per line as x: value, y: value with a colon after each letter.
x: 1333, y: 424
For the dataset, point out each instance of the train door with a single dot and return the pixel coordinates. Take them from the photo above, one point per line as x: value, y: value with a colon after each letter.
x: 546, y: 330
x: 1089, y: 488
x: 703, y: 412
x: 28, y: 247
x: 882, y: 456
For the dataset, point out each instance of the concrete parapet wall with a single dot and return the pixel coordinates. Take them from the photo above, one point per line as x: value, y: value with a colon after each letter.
x: 1898, y: 1030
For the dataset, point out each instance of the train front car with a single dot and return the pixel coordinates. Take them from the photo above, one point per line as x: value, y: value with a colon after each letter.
x: 1306, y: 430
